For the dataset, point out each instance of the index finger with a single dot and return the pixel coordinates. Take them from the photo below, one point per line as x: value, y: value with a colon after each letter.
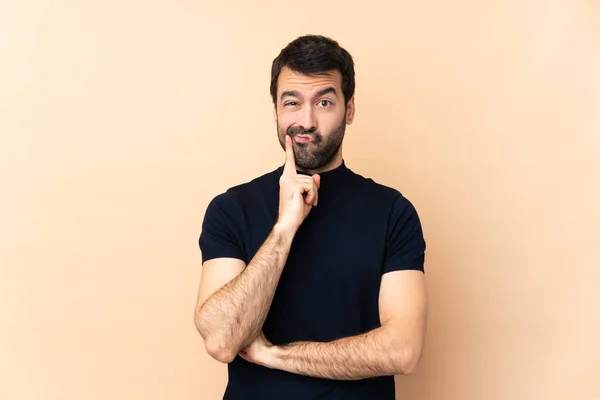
x: 290, y: 161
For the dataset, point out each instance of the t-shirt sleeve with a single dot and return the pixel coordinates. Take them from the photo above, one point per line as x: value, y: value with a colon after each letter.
x: 405, y: 241
x: 220, y: 235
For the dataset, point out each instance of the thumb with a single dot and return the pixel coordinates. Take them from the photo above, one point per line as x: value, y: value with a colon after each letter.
x: 317, y: 180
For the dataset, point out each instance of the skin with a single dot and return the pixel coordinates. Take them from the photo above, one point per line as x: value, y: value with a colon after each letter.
x: 234, y: 299
x: 302, y: 108
x: 395, y: 348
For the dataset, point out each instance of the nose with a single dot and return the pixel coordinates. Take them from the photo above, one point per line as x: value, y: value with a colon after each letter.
x: 308, y: 120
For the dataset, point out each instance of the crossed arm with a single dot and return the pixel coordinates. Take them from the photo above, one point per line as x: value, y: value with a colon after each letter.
x: 234, y: 298
x: 395, y: 348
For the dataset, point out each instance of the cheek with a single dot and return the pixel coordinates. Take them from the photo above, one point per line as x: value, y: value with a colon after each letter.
x: 329, y: 122
x: 286, y: 120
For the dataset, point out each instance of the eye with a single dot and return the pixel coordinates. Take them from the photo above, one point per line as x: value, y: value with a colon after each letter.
x: 290, y: 103
x: 324, y: 103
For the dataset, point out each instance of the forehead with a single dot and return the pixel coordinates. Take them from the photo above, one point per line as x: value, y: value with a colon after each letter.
x: 293, y: 80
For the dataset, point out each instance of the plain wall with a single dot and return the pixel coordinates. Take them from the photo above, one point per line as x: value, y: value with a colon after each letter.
x: 120, y: 120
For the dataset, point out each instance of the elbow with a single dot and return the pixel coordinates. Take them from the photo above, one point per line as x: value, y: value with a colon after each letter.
x: 411, y: 362
x: 217, y: 350
x: 407, y: 362
x: 214, y: 345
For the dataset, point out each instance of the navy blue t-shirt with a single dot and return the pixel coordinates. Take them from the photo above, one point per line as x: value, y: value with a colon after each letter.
x: 329, y: 287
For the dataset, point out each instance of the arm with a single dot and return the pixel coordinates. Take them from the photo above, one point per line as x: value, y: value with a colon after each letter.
x: 393, y: 349
x: 234, y: 299
x: 231, y: 317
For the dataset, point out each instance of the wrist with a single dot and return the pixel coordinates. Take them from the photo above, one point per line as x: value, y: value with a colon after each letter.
x: 284, y: 230
x: 273, y: 357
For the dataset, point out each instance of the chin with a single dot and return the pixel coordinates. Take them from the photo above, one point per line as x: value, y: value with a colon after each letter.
x: 311, y: 165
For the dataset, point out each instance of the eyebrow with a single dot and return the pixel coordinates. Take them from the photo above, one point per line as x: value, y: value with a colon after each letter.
x: 289, y: 93
x: 327, y: 90
x: 322, y: 92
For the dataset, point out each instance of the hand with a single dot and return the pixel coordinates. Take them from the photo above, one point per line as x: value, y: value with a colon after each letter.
x: 259, y: 351
x: 297, y: 193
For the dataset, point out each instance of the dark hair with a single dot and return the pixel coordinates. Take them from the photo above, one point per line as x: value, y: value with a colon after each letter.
x: 311, y: 55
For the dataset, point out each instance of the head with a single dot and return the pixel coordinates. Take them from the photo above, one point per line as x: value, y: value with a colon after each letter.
x: 312, y: 87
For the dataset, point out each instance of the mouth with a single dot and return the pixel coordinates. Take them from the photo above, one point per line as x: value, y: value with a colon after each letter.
x: 303, y: 138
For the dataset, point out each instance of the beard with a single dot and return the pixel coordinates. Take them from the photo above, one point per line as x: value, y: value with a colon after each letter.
x: 317, y: 153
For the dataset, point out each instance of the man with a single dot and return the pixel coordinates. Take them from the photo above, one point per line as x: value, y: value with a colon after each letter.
x: 312, y: 282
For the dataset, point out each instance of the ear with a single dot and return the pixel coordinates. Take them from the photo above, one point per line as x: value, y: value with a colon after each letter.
x: 350, y: 111
x: 275, y: 113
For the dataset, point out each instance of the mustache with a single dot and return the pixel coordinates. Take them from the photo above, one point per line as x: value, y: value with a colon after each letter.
x: 299, y: 130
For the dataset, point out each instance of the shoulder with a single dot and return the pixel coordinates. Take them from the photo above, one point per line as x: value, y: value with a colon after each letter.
x: 225, y: 224
x: 388, y: 205
x: 236, y: 196
x: 404, y: 238
x: 389, y: 197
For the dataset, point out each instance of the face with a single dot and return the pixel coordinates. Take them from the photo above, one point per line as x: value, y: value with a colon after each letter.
x: 312, y: 110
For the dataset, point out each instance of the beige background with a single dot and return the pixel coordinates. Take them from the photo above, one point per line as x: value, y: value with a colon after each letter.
x: 120, y: 120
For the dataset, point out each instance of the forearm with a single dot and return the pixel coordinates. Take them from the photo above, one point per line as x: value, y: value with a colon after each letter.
x: 234, y: 315
x: 376, y: 353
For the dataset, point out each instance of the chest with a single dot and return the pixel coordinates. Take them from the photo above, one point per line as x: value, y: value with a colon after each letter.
x: 330, y: 284
x: 337, y: 240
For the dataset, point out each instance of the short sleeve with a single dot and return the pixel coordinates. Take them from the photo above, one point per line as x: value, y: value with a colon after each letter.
x: 405, y: 248
x: 220, y: 229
